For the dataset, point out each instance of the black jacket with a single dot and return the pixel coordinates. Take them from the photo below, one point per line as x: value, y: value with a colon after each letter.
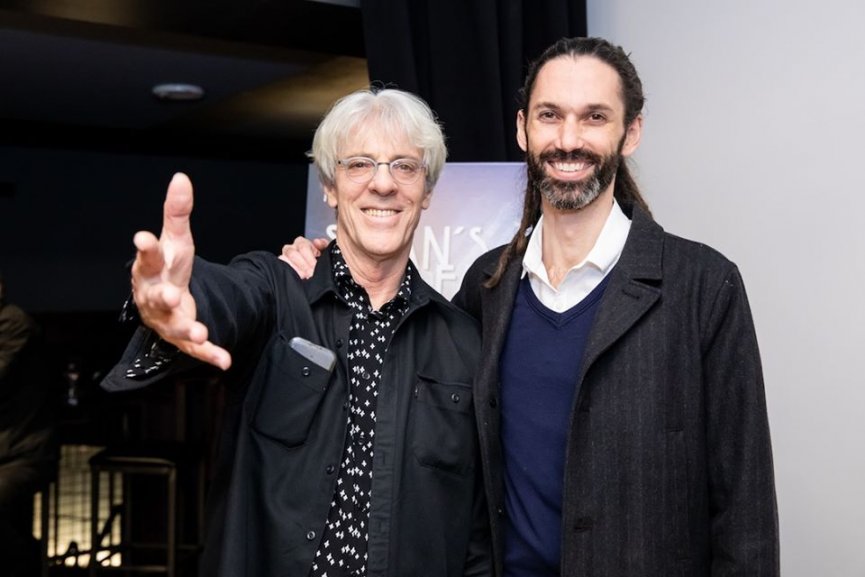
x: 286, y: 428
x: 668, y: 466
x: 26, y: 403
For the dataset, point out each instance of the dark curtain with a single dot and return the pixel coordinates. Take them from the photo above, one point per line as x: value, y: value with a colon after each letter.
x: 467, y: 59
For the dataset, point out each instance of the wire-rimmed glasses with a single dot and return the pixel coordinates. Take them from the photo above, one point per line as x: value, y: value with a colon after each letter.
x: 361, y: 169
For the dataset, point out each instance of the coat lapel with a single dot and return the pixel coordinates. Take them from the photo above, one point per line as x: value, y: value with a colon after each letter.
x: 635, y: 287
x: 496, y: 318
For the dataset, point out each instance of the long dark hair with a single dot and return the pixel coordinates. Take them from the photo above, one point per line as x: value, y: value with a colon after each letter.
x: 625, y: 189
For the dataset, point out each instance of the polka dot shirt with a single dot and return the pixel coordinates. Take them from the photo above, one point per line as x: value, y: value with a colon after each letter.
x: 343, y: 547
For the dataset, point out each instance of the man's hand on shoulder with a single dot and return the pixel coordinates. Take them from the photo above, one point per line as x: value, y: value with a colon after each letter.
x: 302, y: 254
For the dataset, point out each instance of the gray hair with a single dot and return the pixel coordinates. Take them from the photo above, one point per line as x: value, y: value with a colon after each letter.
x: 399, y: 113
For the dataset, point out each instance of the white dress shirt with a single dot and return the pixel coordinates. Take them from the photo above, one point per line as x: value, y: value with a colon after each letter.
x: 585, y: 276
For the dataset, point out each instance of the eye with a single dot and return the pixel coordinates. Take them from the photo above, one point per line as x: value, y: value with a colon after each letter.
x: 547, y: 115
x: 359, y: 164
x: 597, y: 118
x: 405, y: 167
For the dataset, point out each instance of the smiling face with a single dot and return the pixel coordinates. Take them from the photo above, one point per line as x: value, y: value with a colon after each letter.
x: 376, y: 221
x: 573, y: 131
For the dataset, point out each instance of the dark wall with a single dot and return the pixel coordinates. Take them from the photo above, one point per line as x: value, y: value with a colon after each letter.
x: 67, y: 218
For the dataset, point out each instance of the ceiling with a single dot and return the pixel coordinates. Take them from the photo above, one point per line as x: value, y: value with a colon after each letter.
x: 79, y: 74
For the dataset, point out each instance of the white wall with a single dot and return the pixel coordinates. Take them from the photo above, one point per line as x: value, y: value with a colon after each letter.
x: 753, y: 143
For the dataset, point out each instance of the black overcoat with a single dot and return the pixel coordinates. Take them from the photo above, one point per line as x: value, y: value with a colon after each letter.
x: 668, y: 466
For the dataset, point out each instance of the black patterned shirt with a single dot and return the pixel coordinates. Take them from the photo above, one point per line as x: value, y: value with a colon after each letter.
x: 343, y: 547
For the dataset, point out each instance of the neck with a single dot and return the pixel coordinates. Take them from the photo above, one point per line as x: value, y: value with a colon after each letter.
x: 569, y: 235
x: 379, y: 278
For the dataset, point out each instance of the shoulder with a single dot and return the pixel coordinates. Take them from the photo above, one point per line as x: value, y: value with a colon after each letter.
x: 469, y: 297
x: 653, y: 251
x: 486, y: 264
x: 259, y: 259
x: 13, y: 320
x: 482, y: 269
x: 695, y: 254
x: 684, y: 270
x: 455, y: 318
x: 701, y: 274
x: 244, y: 267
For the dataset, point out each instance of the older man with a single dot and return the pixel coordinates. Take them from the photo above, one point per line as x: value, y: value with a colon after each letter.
x: 352, y: 444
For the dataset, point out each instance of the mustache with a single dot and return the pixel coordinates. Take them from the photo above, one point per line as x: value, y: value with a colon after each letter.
x: 559, y: 155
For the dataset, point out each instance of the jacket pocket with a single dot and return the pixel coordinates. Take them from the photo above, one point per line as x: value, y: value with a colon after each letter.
x: 443, y: 425
x: 291, y: 389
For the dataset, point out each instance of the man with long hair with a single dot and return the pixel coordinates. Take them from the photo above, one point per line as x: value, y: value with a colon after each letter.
x: 623, y: 419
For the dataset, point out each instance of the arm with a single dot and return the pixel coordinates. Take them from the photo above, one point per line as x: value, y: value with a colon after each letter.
x: 468, y: 297
x: 15, y: 332
x: 161, y: 275
x: 744, y: 518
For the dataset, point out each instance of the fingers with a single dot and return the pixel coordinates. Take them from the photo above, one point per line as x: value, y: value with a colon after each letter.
x: 160, y: 307
x: 148, y: 260
x: 177, y: 207
x: 302, y: 255
x: 320, y: 243
x: 178, y: 249
x: 207, y: 352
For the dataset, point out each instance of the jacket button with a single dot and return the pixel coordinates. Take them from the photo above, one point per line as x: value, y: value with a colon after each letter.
x: 305, y: 371
x: 310, y: 535
x: 582, y: 524
x: 493, y: 402
x: 455, y: 398
x: 339, y: 343
x: 345, y: 406
x: 500, y: 511
x: 329, y: 469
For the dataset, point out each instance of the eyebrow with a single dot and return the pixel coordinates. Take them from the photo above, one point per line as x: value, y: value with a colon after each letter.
x: 597, y: 107
x: 373, y: 157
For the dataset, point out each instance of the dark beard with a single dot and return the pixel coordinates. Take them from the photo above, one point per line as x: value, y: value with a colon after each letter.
x: 567, y: 195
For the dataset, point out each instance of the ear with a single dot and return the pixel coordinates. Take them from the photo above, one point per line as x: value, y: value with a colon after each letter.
x: 632, y: 136
x: 427, y: 196
x: 521, y: 130
x: 330, y: 195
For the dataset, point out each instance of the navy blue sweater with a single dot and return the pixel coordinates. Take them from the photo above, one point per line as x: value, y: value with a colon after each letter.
x: 539, y: 366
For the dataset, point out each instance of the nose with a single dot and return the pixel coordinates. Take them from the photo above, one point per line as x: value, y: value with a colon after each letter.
x: 382, y: 182
x: 570, y: 134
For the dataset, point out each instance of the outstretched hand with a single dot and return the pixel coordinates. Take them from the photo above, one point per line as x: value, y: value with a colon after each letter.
x: 302, y: 254
x: 160, y: 279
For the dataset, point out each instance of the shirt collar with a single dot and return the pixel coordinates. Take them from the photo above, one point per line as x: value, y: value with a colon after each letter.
x: 606, y: 252
x: 353, y: 293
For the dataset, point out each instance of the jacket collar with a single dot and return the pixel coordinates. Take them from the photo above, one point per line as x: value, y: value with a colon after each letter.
x: 633, y: 289
x: 322, y: 284
x: 642, y: 256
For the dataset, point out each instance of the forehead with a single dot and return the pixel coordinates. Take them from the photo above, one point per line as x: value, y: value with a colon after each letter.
x: 374, y: 138
x: 570, y: 81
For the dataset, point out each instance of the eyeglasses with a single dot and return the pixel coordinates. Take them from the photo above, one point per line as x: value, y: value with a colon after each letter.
x: 361, y: 169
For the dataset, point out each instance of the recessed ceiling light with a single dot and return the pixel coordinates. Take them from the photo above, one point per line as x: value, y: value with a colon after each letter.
x: 178, y: 91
